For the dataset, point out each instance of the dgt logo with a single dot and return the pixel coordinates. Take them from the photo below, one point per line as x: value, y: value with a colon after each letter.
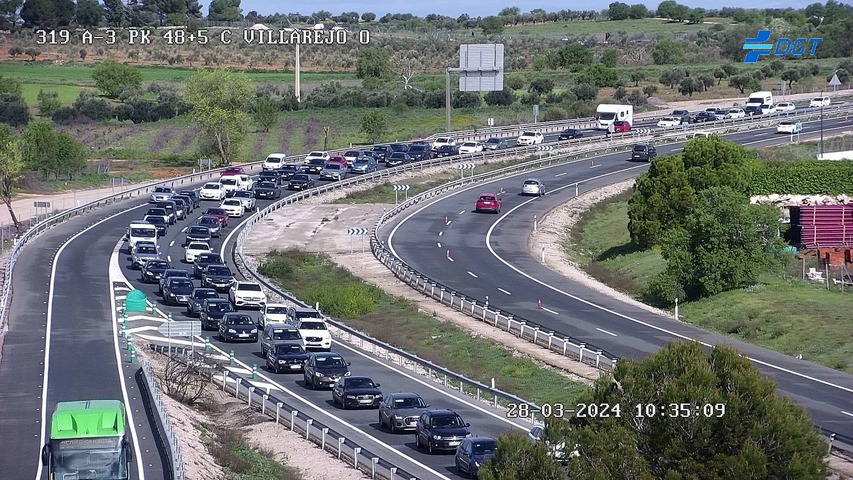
x: 783, y: 46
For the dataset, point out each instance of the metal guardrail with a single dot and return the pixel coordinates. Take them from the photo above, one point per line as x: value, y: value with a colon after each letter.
x: 154, y: 391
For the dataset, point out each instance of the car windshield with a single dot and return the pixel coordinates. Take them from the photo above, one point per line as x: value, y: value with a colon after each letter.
x: 360, y: 383
x: 276, y: 310
x: 528, y: 134
x: 205, y: 294
x: 156, y: 211
x: 409, y: 402
x: 442, y: 140
x: 274, y: 160
x: 208, y: 221
x: 208, y: 258
x: 240, y: 320
x: 494, y: 140
x: 531, y: 182
x: 288, y: 168
x: 218, y: 270
x: 156, y: 221
x: 787, y: 123
x: 180, y: 282
x: 361, y: 161
x: 215, y: 211
x: 317, y: 154
x: 639, y: 148
x: 289, y: 349
x: 162, y: 190
x: 333, y: 166
x: 487, y: 198
x: 301, y: 177
x: 447, y: 421
x: 330, y: 361
x: 252, y: 287
x: 313, y: 326
x: 264, y: 185
x: 142, y: 232
x: 243, y: 194
x: 156, y: 264
x: 469, y: 144
x: 198, y: 231
x: 317, y: 162
x: 145, y: 249
x: 219, y: 307
x: 285, y: 334
x: 481, y: 448
x: 232, y: 203
x: 228, y: 181
x: 197, y: 246
x: 351, y: 153
x: 211, y: 186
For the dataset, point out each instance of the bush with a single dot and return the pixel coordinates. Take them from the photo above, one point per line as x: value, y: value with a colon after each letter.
x: 13, y: 110
x: 515, y: 81
x: 500, y: 98
x: 467, y: 100
x: 555, y: 113
x: 65, y: 115
x: 530, y: 99
x: 810, y: 177
x: 92, y: 107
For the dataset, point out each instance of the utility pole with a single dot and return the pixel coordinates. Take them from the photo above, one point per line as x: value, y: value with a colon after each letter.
x: 821, y: 126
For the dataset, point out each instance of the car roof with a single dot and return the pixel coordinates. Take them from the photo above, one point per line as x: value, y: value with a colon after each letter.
x: 247, y: 283
x: 295, y: 343
x: 531, y: 180
x: 441, y: 411
x: 360, y: 377
x: 217, y: 300
x: 404, y: 395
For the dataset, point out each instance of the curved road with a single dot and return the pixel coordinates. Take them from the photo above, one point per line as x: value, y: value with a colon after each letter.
x: 491, y: 259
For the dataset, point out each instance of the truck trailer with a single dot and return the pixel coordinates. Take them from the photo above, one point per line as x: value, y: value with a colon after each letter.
x: 606, y: 114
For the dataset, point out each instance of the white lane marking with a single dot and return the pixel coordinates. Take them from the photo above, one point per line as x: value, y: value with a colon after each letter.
x: 449, y: 222
x: 440, y: 233
x: 847, y: 413
x: 184, y: 230
x: 550, y: 311
x: 463, y: 211
x: 605, y: 331
x: 473, y: 274
x: 504, y: 291
x: 172, y: 244
x: 47, y: 342
x: 439, y: 244
x: 451, y: 259
x: 613, y: 312
x: 561, y: 174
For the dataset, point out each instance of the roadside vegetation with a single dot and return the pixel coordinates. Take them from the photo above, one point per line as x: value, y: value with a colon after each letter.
x: 315, y: 278
x: 770, y: 307
x: 230, y: 449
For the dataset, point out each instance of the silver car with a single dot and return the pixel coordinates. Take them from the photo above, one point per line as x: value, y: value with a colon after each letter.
x: 248, y: 199
x: 144, y: 253
x: 400, y: 411
x: 533, y: 186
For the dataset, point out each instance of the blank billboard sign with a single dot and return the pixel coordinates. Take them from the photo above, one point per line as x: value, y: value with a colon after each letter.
x: 481, y: 67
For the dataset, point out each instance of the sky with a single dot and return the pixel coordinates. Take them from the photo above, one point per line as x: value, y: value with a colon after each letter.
x: 475, y: 8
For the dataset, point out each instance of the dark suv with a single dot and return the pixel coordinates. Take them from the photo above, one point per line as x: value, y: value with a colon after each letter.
x: 644, y: 152
x: 440, y: 430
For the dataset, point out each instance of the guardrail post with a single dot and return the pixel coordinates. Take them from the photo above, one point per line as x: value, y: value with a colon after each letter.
x: 374, y: 461
x: 535, y: 221
x: 355, y: 452
x: 341, y: 441
x: 580, y: 352
x: 251, y: 394
x: 597, y: 358
x: 224, y: 379
x: 324, y: 431
x: 293, y: 414
x: 535, y: 334
x: 206, y: 344
x: 550, y: 339
x: 452, y: 296
x: 509, y: 323
x: 576, y: 189
x: 497, y: 314
x: 231, y: 358
x: 613, y: 364
x: 254, y: 371
x: 441, y: 297
x: 393, y: 472
x: 237, y: 382
x: 445, y: 379
x: 264, y: 404
x: 132, y: 354
x: 308, y: 427
x: 473, y: 305
x: 278, y: 406
x: 129, y: 340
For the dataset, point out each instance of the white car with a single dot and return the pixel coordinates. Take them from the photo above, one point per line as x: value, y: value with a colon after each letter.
x: 471, y: 147
x: 768, y: 109
x: 161, y: 194
x: 317, y: 154
x: 818, y: 102
x: 667, y: 122
x: 234, y: 183
x: 785, y: 107
x: 273, y: 161
x: 530, y: 138
x: 315, y: 334
x: 248, y: 199
x: 737, y: 113
x: 442, y: 141
x: 789, y: 127
x: 247, y: 294
x: 195, y: 249
x: 273, y: 313
x: 212, y: 191
x: 234, y: 207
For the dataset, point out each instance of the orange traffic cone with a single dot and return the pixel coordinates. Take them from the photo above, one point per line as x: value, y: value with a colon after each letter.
x: 539, y: 305
x: 447, y: 255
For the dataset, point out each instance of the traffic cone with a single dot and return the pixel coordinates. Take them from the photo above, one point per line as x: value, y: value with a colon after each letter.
x: 592, y: 163
x: 539, y: 305
x: 446, y: 220
x: 502, y: 191
x: 447, y: 255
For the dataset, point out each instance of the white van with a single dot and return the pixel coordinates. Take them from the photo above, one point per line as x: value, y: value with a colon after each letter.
x: 818, y: 102
x: 274, y: 161
x: 235, y: 183
x: 140, y: 230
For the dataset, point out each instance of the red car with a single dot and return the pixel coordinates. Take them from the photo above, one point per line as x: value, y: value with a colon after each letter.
x: 233, y: 171
x: 219, y: 213
x: 488, y: 202
x: 621, y: 126
x: 339, y: 160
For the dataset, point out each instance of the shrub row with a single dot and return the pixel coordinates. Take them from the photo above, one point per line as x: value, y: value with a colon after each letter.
x: 810, y: 177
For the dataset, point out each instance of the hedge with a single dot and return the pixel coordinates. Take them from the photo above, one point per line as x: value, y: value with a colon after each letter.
x: 811, y: 177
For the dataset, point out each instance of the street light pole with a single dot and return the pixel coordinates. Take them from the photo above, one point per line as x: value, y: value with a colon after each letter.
x: 821, y: 126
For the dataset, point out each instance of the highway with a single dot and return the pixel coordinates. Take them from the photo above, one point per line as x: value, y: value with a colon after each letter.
x: 491, y: 258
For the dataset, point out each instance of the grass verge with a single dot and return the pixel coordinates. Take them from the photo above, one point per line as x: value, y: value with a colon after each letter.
x: 230, y: 450
x: 785, y: 315
x: 315, y: 278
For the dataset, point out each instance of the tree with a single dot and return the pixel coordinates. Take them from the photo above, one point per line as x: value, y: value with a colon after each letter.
x: 505, y: 97
x: 406, y: 64
x: 575, y: 56
x: 791, y: 76
x: 38, y: 147
x: 9, y: 13
x: 585, y: 91
x: 48, y: 102
x: 637, y: 76
x: 88, y: 13
x: 373, y: 62
x: 668, y: 52
x: 516, y: 457
x: 610, y: 58
x: 33, y: 53
x: 218, y: 100
x: 602, y: 76
x: 740, y: 82
x: 47, y: 14
x: 620, y: 93
x: 112, y: 78
x: 368, y: 16
x: 750, y: 430
x: 225, y: 11
x: 11, y: 165
x: 116, y: 13
x: 720, y: 74
x: 265, y: 112
x: 70, y: 155
x: 668, y: 9
x: 541, y: 86
x: 375, y: 125
x: 618, y: 11
x: 696, y: 15
x: 492, y: 25
x: 650, y: 90
x: 638, y: 11
x: 707, y: 81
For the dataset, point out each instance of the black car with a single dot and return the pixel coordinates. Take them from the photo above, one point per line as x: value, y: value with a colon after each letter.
x: 644, y: 152
x: 237, y: 326
x: 382, y: 152
x: 300, y: 181
x: 447, y: 151
x: 440, y: 430
x: 287, y: 171
x: 202, y: 260
x: 197, y: 233
x: 181, y: 206
x: 570, y: 133
x: 704, y: 117
x: 170, y: 208
x: 196, y: 201
x: 152, y: 270
x: 286, y: 357
x: 420, y: 152
x: 160, y: 224
x: 212, y: 311
x: 172, y: 272
x: 325, y: 369
x: 197, y: 298
x: 189, y: 203
x: 355, y: 392
x: 273, y: 176
x: 397, y: 158
x: 218, y: 277
x: 314, y: 166
x: 267, y: 190
x: 212, y: 223
x: 473, y: 452
x: 753, y: 110
x: 399, y: 147
x: 177, y: 291
x: 495, y: 144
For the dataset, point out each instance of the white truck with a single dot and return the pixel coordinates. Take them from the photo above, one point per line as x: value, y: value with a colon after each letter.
x: 758, y: 99
x: 140, y: 230
x: 606, y: 114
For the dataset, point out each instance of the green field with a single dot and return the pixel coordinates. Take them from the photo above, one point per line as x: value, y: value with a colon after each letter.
x: 789, y: 316
x: 649, y: 26
x: 314, y: 278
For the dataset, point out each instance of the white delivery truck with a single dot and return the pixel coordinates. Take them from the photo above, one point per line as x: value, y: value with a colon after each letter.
x: 606, y: 114
x: 140, y: 230
x: 759, y: 98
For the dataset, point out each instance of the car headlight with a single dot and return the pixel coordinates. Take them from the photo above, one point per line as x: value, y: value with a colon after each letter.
x: 254, y: 330
x: 436, y: 437
x: 348, y: 374
x: 282, y: 361
x: 318, y: 374
x: 351, y: 397
x: 231, y: 330
x: 477, y: 464
x: 378, y: 397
